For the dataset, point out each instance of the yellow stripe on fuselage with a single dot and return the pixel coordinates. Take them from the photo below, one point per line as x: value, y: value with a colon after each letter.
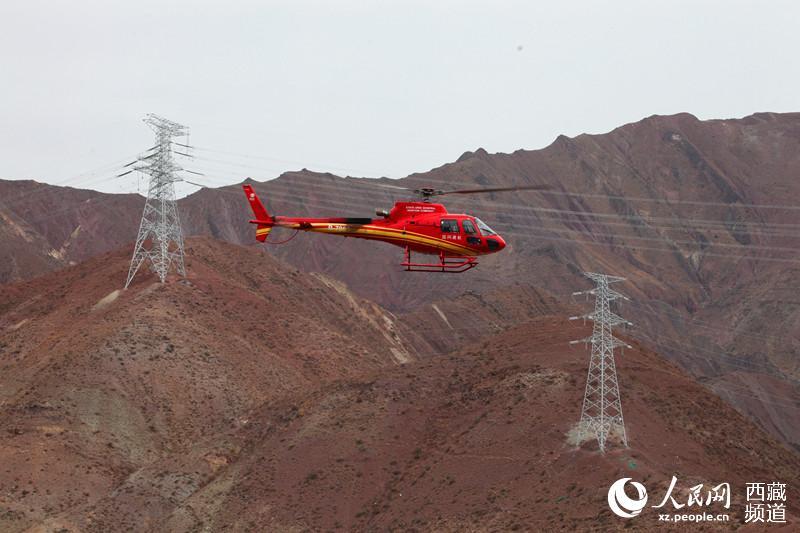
x: 366, y: 230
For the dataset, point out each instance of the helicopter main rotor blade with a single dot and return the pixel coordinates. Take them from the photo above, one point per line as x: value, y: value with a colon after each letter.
x: 495, y: 189
x: 395, y: 187
x: 427, y: 192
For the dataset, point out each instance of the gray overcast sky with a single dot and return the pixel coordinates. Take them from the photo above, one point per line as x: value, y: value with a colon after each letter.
x: 369, y: 88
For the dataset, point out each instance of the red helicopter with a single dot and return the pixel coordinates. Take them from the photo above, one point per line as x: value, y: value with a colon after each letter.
x: 417, y: 226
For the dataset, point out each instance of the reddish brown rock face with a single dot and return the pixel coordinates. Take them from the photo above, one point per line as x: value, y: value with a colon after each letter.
x: 277, y: 391
x: 260, y: 397
x: 98, y: 382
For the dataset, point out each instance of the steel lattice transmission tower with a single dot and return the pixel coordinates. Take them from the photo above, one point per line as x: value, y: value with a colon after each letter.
x: 160, y: 226
x: 602, y: 410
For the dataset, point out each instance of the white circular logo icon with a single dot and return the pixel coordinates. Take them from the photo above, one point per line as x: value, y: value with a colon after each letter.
x: 621, y: 504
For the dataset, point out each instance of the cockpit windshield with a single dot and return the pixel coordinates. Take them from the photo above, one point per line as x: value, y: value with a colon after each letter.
x: 486, y: 230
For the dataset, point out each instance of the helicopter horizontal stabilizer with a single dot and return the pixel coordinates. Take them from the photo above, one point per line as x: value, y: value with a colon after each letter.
x: 262, y: 232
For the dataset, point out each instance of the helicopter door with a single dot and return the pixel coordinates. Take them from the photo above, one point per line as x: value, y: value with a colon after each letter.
x: 449, y: 225
x: 450, y: 229
x: 471, y: 232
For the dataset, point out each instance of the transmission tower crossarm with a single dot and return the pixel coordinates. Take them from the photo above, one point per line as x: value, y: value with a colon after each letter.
x: 605, y: 278
x: 613, y: 319
x: 618, y: 343
x: 578, y: 293
x: 614, y: 295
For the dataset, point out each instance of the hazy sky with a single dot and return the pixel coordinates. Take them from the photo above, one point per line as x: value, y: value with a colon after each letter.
x: 368, y: 88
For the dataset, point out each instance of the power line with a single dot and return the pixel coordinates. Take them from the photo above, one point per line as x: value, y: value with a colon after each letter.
x: 289, y: 161
x: 536, y: 233
x: 321, y: 188
x: 567, y: 239
x: 700, y: 324
x: 494, y: 206
x: 90, y: 203
x: 98, y: 176
x: 227, y: 164
x: 725, y: 387
x: 667, y: 223
x: 745, y: 362
x: 334, y: 204
x: 677, y: 225
x: 650, y: 248
x: 113, y: 197
x: 664, y: 240
x: 663, y: 201
x: 749, y: 364
x: 428, y: 180
x: 690, y: 351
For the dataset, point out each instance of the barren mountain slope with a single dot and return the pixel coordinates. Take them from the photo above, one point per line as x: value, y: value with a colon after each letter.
x: 651, y: 164
x: 23, y: 252
x: 477, y: 440
x: 677, y: 207
x: 97, y: 383
x: 682, y: 207
x: 65, y: 225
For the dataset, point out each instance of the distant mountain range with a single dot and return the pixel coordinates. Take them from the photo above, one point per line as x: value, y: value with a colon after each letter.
x: 683, y: 208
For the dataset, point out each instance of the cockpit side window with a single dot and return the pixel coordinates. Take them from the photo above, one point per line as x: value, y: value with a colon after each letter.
x: 469, y: 227
x: 449, y: 225
x: 486, y: 230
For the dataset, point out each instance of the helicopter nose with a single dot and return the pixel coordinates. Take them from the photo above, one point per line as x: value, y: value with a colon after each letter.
x: 495, y: 243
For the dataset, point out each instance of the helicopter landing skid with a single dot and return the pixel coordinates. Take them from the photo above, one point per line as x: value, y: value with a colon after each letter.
x: 453, y: 265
